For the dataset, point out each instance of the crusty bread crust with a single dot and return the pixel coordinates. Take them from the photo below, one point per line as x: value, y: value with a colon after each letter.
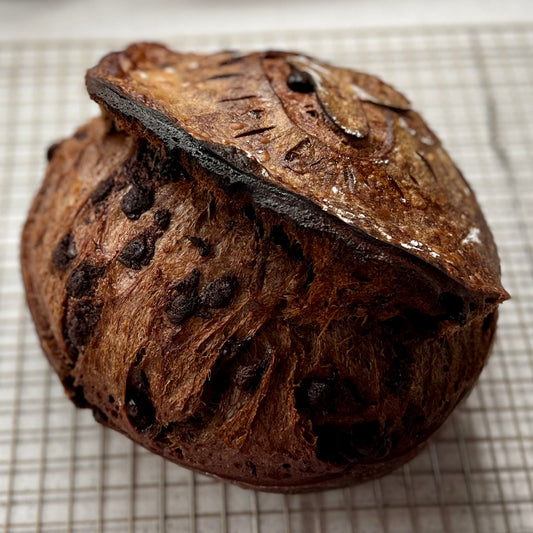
x: 232, y: 336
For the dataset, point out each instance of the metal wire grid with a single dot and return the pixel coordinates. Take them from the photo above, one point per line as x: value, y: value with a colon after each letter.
x: 60, y: 471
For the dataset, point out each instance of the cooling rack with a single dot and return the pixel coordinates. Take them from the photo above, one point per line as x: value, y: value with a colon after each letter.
x: 60, y: 471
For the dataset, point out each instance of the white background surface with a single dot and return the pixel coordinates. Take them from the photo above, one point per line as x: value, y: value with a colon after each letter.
x: 157, y: 19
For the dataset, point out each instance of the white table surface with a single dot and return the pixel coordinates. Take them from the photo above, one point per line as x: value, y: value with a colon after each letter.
x: 158, y: 19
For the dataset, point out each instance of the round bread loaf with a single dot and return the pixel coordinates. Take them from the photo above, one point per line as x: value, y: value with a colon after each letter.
x: 261, y: 267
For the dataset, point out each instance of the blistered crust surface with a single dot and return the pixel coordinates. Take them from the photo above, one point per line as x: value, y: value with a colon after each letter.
x: 343, y: 140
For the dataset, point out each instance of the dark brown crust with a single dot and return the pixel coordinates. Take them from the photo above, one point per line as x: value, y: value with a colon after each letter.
x: 272, y: 345
x: 372, y: 163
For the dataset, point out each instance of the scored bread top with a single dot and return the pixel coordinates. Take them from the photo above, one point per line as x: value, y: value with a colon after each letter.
x: 331, y: 148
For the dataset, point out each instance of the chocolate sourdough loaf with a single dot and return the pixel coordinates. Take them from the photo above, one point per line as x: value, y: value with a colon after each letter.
x: 261, y: 267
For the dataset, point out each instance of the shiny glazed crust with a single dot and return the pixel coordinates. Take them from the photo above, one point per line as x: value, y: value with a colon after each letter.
x: 282, y: 348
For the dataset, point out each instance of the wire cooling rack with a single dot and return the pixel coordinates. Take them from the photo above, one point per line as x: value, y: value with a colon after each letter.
x: 60, y: 471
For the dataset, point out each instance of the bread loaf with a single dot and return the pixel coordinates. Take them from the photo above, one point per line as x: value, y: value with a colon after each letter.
x: 261, y: 267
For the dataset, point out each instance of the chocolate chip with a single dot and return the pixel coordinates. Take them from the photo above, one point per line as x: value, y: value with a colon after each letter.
x: 140, y: 412
x: 139, y: 407
x: 138, y: 252
x: 317, y: 395
x: 82, y: 319
x: 204, y: 249
x: 64, y: 253
x: 329, y: 398
x: 81, y: 135
x: 189, y: 284
x: 103, y: 190
x: 249, y: 377
x: 136, y: 201
x: 84, y: 279
x: 181, y: 308
x: 220, y: 292
x: 184, y: 304
x: 138, y: 380
x: 162, y: 218
x: 52, y: 150
x: 300, y: 81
